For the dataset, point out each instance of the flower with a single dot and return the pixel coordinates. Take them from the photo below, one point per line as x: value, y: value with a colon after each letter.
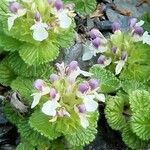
x: 39, y: 29
x: 94, y: 33
x: 103, y: 61
x: 54, y: 77
x: 16, y: 11
x: 121, y: 63
x: 115, y: 26
x: 49, y: 108
x: 42, y: 90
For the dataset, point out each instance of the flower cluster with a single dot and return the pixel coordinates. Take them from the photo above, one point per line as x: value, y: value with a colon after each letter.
x: 45, y: 15
x: 65, y: 95
x: 117, y: 47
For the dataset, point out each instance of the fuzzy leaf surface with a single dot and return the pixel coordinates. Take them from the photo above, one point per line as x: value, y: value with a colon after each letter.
x: 114, y: 112
x: 108, y: 82
x: 132, y: 140
x: 140, y: 120
x: 38, y: 54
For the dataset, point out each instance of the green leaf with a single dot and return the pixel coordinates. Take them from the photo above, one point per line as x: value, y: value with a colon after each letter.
x: 131, y: 85
x: 139, y: 101
x: 84, y: 7
x: 22, y: 69
x: 32, y: 137
x: 146, y: 19
x: 114, y: 112
x: 108, y: 82
x: 140, y: 120
x: 8, y: 43
x: 132, y: 141
x: 136, y: 72
x: 84, y: 136
x: 38, y: 54
x: 139, y: 54
x: 40, y: 123
x: 12, y: 115
x: 25, y: 87
x: 25, y: 146
x: 6, y: 73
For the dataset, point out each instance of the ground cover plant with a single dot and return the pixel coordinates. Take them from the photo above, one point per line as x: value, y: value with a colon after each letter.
x: 53, y: 102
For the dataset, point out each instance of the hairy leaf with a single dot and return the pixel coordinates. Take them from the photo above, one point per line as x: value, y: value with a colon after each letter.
x: 6, y: 73
x: 40, y: 123
x: 22, y: 69
x: 24, y: 87
x: 83, y: 136
x: 114, y: 112
x: 131, y: 85
x: 25, y: 146
x: 132, y: 141
x: 108, y: 82
x: 38, y: 54
x: 84, y: 7
x: 140, y: 121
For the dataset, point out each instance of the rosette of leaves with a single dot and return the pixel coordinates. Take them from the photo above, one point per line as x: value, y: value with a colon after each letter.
x: 18, y: 34
x: 39, y: 130
x: 83, y: 7
x: 130, y: 115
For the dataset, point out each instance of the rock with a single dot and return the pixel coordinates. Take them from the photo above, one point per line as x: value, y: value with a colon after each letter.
x: 7, y: 147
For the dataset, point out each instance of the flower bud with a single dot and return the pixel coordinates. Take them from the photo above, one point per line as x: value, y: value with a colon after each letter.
x: 94, y: 33
x: 115, y: 26
x: 58, y: 4
x: 96, y: 42
x: 83, y: 87
x: 81, y: 108
x: 54, y: 77
x: 14, y: 6
x: 73, y: 65
x: 39, y: 84
x: 93, y: 83
x: 132, y: 22
x: 138, y: 30
x: 123, y: 55
x: 50, y: 1
x: 101, y: 59
x: 37, y: 16
x: 53, y: 93
x: 114, y: 50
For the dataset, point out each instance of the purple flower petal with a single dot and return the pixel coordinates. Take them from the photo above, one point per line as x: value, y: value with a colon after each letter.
x: 82, y: 108
x: 83, y: 87
x: 58, y: 4
x: 132, y: 22
x: 115, y: 26
x: 53, y: 93
x: 14, y: 6
x: 93, y: 83
x: 96, y: 42
x: 138, y: 30
x: 94, y: 33
x: 54, y: 77
x: 101, y: 59
x: 39, y: 84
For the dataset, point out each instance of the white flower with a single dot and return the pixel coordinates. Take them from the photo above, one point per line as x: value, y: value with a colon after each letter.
x: 49, y: 108
x: 119, y: 66
x: 13, y: 17
x: 37, y: 96
x: 146, y: 38
x: 39, y: 31
x: 64, y: 20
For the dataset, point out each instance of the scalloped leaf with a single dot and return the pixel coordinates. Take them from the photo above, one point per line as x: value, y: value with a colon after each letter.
x: 139, y: 101
x: 25, y: 146
x: 140, y: 120
x: 136, y: 72
x: 6, y: 73
x: 24, y: 86
x: 38, y: 54
x: 132, y: 141
x: 31, y: 136
x: 131, y: 85
x: 22, y: 69
x: 114, y: 112
x: 40, y: 123
x: 84, y: 7
x: 84, y: 136
x: 139, y: 54
x: 108, y: 82
x: 8, y: 43
x: 146, y: 19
